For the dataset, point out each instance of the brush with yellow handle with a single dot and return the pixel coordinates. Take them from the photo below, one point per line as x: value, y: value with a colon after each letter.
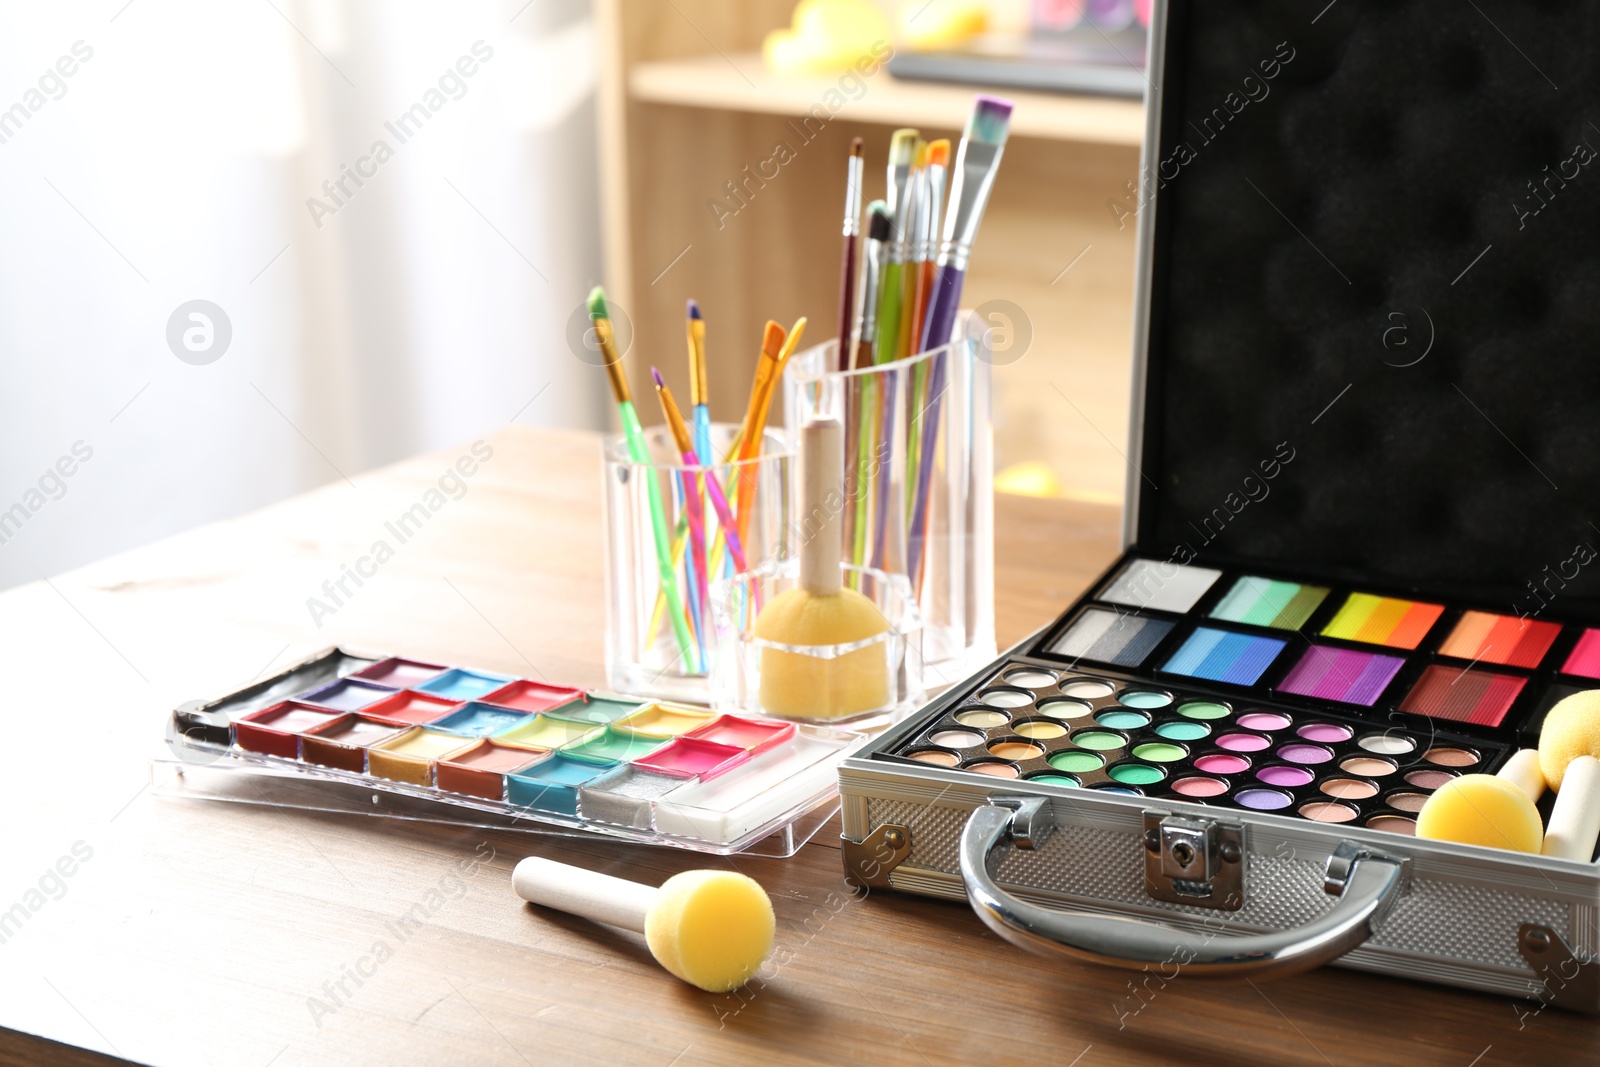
x: 820, y: 613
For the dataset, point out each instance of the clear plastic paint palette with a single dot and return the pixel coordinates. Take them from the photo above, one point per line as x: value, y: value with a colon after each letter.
x: 351, y: 732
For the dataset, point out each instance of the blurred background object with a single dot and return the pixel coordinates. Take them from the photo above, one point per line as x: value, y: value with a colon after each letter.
x: 379, y: 303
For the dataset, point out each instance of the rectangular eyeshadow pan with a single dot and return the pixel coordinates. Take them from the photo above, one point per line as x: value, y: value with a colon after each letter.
x: 407, y: 706
x: 1269, y: 602
x: 1223, y: 656
x: 1345, y: 675
x: 481, y: 770
x: 347, y: 694
x: 1585, y: 658
x: 597, y: 710
x: 1463, y: 694
x: 458, y: 684
x: 530, y: 696
x: 399, y: 673
x: 1112, y: 637
x: 343, y: 742
x: 1383, y: 620
x: 1505, y: 639
x: 1159, y: 584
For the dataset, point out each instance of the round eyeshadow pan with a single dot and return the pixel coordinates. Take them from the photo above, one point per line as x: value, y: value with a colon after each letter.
x: 1222, y: 763
x: 1156, y: 752
x: 1038, y: 729
x: 1243, y: 742
x: 1200, y: 786
x: 993, y: 769
x: 1394, y: 824
x: 1005, y: 698
x: 1368, y: 766
x: 1263, y: 720
x: 1181, y: 730
x: 1086, y: 688
x: 1407, y: 801
x: 1426, y: 778
x: 1289, y: 777
x: 1348, y: 788
x: 1387, y: 744
x: 936, y: 756
x: 1122, y: 720
x: 1450, y: 756
x: 1144, y: 698
x: 1298, y: 753
x: 1328, y: 811
x: 1016, y: 750
x: 956, y: 738
x: 1064, y: 709
x: 1204, y: 709
x: 1056, y: 779
x: 1075, y: 762
x: 1030, y: 678
x: 982, y: 718
x: 1099, y: 740
x: 1136, y: 774
x: 1263, y: 799
x: 1329, y: 733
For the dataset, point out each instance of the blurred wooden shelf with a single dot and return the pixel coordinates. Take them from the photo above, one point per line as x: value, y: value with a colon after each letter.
x: 741, y: 82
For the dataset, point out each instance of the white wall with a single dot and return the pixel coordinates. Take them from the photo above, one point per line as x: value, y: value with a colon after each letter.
x: 176, y: 165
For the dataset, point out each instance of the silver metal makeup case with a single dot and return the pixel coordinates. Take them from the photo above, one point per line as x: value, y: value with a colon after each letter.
x: 1308, y: 213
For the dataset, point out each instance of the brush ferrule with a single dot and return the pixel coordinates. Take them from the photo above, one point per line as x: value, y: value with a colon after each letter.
x: 895, y: 196
x: 935, y: 203
x: 911, y: 235
x: 975, y: 170
x: 852, y: 198
x: 868, y: 330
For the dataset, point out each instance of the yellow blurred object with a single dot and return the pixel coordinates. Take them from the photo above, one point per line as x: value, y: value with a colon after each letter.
x: 1028, y: 479
x: 1480, y: 809
x: 828, y: 35
x: 931, y: 25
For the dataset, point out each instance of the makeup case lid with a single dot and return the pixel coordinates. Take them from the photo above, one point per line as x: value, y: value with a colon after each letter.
x: 1369, y: 296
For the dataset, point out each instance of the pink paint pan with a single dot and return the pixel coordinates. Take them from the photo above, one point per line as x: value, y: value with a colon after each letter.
x: 690, y: 757
x: 276, y: 731
x: 753, y: 735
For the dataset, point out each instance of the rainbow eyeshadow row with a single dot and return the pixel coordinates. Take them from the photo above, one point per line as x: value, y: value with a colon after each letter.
x: 1122, y: 735
x: 525, y: 748
x: 1363, y: 652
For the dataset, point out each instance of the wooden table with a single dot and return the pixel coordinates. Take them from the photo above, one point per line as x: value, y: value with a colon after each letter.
x: 185, y: 932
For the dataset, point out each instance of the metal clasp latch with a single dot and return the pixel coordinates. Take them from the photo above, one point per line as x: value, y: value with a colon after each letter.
x: 1194, y: 861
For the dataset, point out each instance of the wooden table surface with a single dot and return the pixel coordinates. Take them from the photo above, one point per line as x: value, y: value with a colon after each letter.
x: 173, y: 931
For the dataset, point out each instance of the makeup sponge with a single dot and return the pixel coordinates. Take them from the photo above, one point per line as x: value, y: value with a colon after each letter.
x: 712, y: 929
x: 1572, y: 728
x: 1569, y: 743
x: 820, y: 612
x: 1482, y: 809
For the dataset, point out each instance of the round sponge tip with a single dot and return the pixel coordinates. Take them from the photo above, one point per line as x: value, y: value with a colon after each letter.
x: 1571, y: 729
x: 712, y: 929
x: 1482, y: 809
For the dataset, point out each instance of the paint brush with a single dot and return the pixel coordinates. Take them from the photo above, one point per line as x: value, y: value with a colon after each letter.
x: 911, y: 237
x: 637, y: 452
x: 750, y: 446
x: 852, y: 236
x: 902, y: 148
x: 699, y: 391
x: 927, y: 247
x: 858, y: 426
x: 719, y: 501
x: 977, y: 161
x: 879, y: 230
x: 699, y: 590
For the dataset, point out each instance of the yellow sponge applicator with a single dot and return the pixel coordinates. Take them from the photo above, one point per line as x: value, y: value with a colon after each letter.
x: 1482, y: 809
x: 713, y: 929
x: 1569, y: 755
x: 819, y: 614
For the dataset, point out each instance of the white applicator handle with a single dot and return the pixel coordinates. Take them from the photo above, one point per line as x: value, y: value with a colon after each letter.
x: 587, y: 893
x: 1522, y: 770
x: 822, y: 506
x: 1575, y: 819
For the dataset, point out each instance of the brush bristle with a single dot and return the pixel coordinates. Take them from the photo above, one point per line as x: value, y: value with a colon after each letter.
x: 597, y: 303
x: 694, y: 310
x: 772, y: 338
x: 856, y: 146
x: 990, y: 121
x: 655, y: 376
x: 919, y: 159
x: 939, y: 153
x: 878, y: 221
x: 902, y: 145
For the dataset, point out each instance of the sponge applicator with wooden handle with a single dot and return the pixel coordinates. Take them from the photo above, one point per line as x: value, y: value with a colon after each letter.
x: 712, y: 929
x: 1569, y: 744
x: 820, y: 614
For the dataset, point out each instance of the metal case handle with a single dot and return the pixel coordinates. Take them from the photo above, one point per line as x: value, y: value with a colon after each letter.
x: 1367, y: 884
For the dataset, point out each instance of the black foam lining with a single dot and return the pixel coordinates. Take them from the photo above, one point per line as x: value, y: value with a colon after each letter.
x: 1348, y: 201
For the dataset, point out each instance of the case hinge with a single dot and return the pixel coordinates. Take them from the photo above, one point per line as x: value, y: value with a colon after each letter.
x: 1568, y: 982
x: 1194, y: 861
x: 868, y: 862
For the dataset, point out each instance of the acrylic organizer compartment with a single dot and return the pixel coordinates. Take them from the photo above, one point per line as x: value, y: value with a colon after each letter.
x: 1100, y: 730
x: 372, y: 735
x: 661, y: 645
x: 894, y: 656
x: 919, y: 478
x: 1378, y: 654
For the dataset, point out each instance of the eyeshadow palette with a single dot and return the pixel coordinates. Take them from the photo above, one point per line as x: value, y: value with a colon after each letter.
x: 385, y: 735
x: 1373, y: 654
x: 1121, y: 734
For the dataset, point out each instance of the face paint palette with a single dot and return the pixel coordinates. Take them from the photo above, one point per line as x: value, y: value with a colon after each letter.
x: 440, y: 742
